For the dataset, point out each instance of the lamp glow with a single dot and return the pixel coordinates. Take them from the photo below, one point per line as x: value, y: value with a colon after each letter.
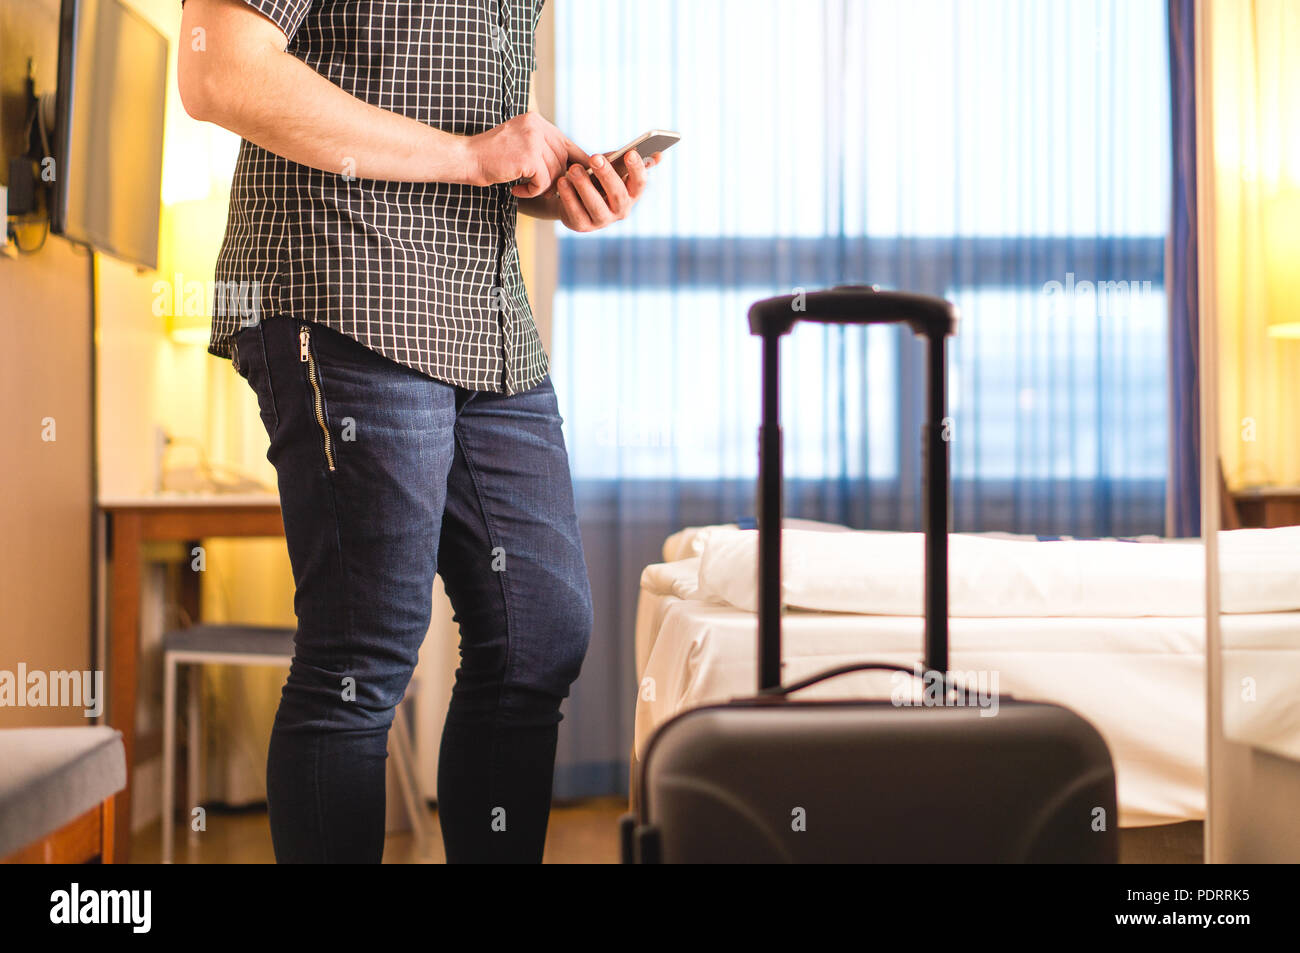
x: 1282, y: 255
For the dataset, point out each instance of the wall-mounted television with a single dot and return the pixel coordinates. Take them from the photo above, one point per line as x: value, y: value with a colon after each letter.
x: 108, y: 136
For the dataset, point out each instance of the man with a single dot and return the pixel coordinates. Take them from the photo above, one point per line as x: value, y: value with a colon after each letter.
x: 404, y: 388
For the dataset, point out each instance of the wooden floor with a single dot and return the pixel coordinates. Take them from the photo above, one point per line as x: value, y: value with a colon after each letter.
x: 1166, y: 844
x: 581, y: 832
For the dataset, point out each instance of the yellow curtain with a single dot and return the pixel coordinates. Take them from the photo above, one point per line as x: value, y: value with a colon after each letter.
x: 1255, y: 102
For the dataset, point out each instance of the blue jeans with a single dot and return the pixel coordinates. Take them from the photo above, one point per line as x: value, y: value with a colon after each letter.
x: 387, y: 477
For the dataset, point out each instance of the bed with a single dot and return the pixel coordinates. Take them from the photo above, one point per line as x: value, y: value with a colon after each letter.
x: 1070, y: 633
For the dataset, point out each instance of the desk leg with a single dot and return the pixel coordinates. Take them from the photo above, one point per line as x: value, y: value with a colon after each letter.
x: 190, y: 595
x: 123, y: 660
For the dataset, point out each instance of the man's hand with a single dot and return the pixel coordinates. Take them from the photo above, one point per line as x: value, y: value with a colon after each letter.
x: 527, y: 148
x: 583, y: 208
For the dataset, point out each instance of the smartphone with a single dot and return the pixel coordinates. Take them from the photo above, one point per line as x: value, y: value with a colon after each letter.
x: 647, y: 144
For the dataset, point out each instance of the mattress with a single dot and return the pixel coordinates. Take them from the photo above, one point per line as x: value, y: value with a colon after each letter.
x: 1140, y: 681
x: 882, y: 573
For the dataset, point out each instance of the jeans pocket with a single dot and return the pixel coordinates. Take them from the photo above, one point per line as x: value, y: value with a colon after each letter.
x: 249, y: 355
x: 234, y: 355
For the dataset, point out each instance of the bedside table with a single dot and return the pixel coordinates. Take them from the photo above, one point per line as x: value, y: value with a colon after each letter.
x: 1268, y: 506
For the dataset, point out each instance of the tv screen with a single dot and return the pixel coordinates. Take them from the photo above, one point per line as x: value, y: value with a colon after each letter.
x: 109, y: 129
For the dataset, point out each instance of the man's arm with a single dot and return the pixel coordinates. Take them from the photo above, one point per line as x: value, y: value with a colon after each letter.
x: 242, y: 79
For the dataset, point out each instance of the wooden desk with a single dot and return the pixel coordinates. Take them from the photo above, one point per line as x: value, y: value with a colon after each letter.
x: 128, y: 523
x: 1268, y: 506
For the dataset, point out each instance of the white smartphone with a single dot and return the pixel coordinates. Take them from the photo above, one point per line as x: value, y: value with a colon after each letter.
x: 647, y: 144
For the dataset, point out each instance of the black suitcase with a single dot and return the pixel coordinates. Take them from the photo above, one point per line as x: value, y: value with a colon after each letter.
x: 769, y: 779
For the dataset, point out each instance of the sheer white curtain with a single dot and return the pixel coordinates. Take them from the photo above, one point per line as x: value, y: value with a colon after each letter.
x: 1011, y: 155
x: 1256, y: 107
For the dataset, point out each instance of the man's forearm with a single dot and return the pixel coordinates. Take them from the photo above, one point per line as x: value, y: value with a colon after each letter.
x: 302, y: 116
x: 281, y: 104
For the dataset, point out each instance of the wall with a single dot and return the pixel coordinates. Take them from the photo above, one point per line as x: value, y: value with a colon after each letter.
x: 45, y: 372
x: 149, y: 378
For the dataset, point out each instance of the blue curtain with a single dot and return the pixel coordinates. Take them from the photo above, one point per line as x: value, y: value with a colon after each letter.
x: 1184, y: 320
x: 1012, y: 155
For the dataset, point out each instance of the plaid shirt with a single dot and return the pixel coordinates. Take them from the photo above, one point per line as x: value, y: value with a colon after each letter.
x: 425, y: 273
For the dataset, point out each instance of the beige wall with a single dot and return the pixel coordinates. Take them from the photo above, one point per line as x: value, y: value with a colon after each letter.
x: 45, y: 372
x: 147, y: 378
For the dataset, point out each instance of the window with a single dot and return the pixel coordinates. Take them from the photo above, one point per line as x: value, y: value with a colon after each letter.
x: 1011, y: 155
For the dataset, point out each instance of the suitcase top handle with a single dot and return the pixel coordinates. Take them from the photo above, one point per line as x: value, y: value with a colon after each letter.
x: 854, y: 304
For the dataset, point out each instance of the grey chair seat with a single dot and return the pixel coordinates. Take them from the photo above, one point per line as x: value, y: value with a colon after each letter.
x: 249, y: 645
x: 230, y: 639
x: 50, y: 776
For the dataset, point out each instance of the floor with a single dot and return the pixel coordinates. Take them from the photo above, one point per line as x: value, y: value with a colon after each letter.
x: 1166, y: 844
x: 581, y: 832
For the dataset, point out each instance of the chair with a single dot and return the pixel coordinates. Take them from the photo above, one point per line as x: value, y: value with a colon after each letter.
x: 57, y: 790
x: 204, y: 644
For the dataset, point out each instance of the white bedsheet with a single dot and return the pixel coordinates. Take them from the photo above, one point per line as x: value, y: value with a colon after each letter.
x: 881, y: 574
x: 1140, y: 681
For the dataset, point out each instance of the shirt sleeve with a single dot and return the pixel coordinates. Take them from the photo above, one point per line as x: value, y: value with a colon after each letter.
x: 287, y: 14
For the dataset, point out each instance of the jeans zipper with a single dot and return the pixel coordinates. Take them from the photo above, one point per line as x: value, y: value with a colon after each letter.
x: 305, y: 355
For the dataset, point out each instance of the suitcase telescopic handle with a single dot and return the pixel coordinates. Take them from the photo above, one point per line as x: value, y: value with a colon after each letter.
x: 935, y: 320
x: 854, y: 304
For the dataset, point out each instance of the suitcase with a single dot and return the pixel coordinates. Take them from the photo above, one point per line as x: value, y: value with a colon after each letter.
x: 771, y: 779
